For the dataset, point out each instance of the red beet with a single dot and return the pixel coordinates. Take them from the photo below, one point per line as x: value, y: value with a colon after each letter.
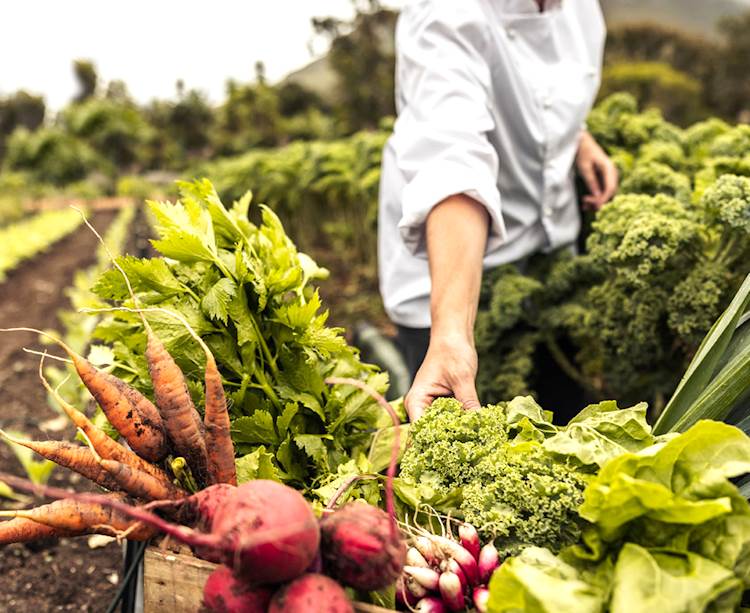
x: 224, y: 593
x: 263, y: 507
x: 264, y: 531
x: 360, y: 548
x: 205, y: 503
x: 311, y: 594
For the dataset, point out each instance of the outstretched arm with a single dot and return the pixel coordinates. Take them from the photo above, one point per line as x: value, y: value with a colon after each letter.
x: 456, y: 238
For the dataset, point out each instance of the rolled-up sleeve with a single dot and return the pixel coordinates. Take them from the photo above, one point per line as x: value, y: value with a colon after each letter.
x: 441, y: 137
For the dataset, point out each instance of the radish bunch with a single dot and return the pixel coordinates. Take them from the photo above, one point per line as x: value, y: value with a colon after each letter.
x: 444, y: 574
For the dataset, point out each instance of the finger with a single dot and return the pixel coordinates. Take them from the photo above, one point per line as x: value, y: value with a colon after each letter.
x: 592, y: 203
x: 466, y: 394
x: 589, y: 203
x: 588, y: 172
x: 609, y: 171
x: 415, y: 404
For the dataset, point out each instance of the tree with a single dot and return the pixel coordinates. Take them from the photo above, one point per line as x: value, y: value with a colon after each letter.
x: 363, y: 47
x: 19, y: 110
x: 656, y: 84
x: 86, y: 77
x: 248, y: 118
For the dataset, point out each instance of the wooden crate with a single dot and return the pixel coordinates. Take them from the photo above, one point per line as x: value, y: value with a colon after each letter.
x: 173, y: 583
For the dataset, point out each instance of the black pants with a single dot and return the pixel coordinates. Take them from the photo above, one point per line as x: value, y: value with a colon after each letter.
x: 413, y: 343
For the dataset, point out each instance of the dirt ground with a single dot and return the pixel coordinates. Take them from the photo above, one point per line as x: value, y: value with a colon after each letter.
x: 56, y: 575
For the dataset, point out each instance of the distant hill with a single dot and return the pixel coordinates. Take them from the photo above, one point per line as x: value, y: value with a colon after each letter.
x: 698, y: 16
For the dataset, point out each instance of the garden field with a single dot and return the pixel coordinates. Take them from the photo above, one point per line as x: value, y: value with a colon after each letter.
x: 195, y: 359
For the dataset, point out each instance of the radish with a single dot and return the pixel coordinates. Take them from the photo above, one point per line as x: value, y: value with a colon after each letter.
x: 404, y: 597
x: 426, y: 577
x: 430, y: 604
x: 451, y: 591
x: 428, y: 549
x: 452, y: 549
x: 454, y: 567
x: 489, y: 560
x: 469, y: 539
x: 414, y: 558
x: 480, y: 597
x: 224, y: 593
x: 361, y: 545
x: 264, y: 531
x: 413, y: 588
x: 311, y: 594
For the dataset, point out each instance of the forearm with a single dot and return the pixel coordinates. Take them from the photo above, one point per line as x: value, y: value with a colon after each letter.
x: 456, y: 239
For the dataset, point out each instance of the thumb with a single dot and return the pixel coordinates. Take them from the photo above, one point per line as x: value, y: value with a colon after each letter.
x: 415, y: 406
x: 466, y: 394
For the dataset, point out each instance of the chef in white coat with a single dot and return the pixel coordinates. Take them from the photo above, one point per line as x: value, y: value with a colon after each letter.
x: 492, y: 96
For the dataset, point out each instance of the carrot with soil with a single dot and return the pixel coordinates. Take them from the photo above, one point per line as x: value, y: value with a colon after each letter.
x: 69, y: 455
x: 133, y: 415
x: 135, y: 482
x: 104, y: 445
x: 220, y: 465
x: 20, y: 530
x: 74, y: 517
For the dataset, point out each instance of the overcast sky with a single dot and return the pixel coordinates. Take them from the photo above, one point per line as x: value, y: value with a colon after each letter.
x: 151, y: 43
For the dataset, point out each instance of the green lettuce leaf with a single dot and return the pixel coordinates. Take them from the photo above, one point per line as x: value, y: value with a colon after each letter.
x: 538, y: 582
x: 671, y: 582
x: 601, y: 432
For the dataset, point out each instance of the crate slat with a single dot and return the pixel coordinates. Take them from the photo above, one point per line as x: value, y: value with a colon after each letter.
x: 173, y: 583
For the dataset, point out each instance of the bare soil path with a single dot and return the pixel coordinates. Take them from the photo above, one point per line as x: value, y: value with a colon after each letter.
x: 65, y: 574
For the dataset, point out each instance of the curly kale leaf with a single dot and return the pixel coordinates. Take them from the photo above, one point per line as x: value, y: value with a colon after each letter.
x: 448, y: 442
x: 652, y: 178
x: 638, y: 237
x: 728, y: 200
x: 697, y: 301
x: 515, y: 492
x: 522, y: 497
x: 732, y: 143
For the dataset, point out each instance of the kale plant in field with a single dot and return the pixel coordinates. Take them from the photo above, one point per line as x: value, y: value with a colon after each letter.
x: 662, y: 261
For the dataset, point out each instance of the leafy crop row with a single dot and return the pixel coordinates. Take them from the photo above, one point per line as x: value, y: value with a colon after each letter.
x: 26, y: 238
x: 661, y: 262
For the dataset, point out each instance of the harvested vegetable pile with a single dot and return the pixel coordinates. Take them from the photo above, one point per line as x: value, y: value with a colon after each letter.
x: 250, y: 295
x: 666, y: 527
x: 599, y: 515
x: 508, y: 471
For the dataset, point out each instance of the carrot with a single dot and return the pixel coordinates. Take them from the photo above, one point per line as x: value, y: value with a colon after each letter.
x: 136, y: 482
x: 181, y: 420
x: 100, y: 441
x: 22, y: 530
x: 219, y: 447
x: 69, y: 455
x: 216, y: 427
x: 133, y: 415
x: 74, y: 517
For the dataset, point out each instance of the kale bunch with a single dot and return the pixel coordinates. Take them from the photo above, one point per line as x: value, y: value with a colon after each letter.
x: 511, y: 488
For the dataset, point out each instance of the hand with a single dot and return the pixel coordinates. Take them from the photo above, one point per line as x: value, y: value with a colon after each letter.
x: 598, y: 172
x: 449, y: 369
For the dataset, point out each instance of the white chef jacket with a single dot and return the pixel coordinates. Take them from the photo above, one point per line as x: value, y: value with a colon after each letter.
x: 491, y: 98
